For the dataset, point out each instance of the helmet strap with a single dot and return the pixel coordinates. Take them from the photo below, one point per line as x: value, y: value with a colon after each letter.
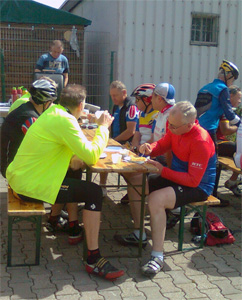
x: 146, y: 106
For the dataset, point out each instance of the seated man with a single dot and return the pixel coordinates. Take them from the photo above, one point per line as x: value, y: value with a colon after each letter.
x: 225, y: 146
x: 38, y: 170
x: 42, y: 94
x: 125, y: 116
x: 191, y: 177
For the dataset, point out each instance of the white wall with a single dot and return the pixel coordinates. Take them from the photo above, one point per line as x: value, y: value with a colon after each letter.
x: 152, y: 40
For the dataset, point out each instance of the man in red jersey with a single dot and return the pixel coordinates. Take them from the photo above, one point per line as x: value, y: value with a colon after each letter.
x: 190, y: 178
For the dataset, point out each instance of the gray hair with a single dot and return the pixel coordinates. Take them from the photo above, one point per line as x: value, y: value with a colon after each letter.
x: 222, y: 74
x: 117, y: 85
x: 188, y: 111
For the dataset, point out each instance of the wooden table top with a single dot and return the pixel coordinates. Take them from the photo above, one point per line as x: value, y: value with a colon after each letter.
x: 106, y: 165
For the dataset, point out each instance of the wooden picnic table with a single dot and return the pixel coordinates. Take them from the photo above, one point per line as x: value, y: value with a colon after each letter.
x: 105, y: 165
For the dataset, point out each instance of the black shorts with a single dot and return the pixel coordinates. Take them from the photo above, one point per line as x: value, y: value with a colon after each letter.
x: 184, y: 194
x: 226, y: 148
x: 76, y: 190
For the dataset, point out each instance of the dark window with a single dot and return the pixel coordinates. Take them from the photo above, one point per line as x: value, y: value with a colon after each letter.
x: 204, y: 30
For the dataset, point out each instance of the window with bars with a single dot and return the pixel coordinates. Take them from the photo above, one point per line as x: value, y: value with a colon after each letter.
x: 204, y: 30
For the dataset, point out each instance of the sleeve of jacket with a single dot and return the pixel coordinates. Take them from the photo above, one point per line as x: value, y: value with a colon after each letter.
x: 197, y: 165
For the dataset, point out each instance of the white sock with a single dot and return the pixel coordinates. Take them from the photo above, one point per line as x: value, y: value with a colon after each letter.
x: 136, y: 232
x: 158, y: 254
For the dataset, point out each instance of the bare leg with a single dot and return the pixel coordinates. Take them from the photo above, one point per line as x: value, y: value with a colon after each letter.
x: 103, y: 178
x: 72, y: 209
x: 159, y: 201
x: 91, y: 220
x: 234, y: 176
x: 56, y: 209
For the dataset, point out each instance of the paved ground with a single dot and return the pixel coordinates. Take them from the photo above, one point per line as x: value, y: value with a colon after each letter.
x: 209, y: 273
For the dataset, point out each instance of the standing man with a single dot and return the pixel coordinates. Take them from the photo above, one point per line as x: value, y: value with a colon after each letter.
x: 125, y: 116
x: 54, y: 61
x: 38, y: 170
x: 190, y: 177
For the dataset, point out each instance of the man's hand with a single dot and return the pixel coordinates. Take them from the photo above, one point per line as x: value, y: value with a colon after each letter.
x: 105, y: 119
x: 145, y: 149
x: 76, y: 163
x: 158, y: 165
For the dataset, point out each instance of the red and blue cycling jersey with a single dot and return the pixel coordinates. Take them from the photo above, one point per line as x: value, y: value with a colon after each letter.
x: 194, y: 158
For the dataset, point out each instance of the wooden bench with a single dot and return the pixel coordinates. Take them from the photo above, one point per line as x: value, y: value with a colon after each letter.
x: 201, y: 208
x: 228, y: 163
x: 18, y: 211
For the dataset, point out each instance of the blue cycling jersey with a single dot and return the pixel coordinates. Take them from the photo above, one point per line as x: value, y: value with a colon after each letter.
x: 212, y: 102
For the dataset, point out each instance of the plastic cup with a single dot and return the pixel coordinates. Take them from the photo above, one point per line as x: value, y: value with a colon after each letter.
x: 98, y: 113
x: 116, y: 158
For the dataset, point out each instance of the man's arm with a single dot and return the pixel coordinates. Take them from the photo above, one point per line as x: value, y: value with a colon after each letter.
x: 224, y: 100
x: 128, y: 133
x: 226, y: 128
x: 65, y: 79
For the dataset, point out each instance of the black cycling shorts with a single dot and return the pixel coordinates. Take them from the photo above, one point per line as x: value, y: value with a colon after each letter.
x: 75, y: 190
x: 184, y: 194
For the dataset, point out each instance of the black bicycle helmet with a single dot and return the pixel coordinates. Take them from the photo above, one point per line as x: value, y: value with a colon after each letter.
x: 43, y: 90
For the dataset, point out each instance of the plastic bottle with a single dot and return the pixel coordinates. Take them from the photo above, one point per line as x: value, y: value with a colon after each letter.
x: 25, y: 91
x: 14, y: 94
x: 19, y: 92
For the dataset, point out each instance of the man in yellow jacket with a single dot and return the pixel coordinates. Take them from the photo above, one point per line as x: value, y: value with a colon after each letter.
x: 39, y: 168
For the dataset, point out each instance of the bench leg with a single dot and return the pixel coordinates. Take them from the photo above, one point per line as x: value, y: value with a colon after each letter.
x: 37, y: 220
x: 10, y: 237
x: 38, y: 239
x: 181, y: 228
x: 204, y: 211
x: 218, y: 172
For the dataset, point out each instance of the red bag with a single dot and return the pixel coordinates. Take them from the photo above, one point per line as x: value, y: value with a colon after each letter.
x: 216, y: 232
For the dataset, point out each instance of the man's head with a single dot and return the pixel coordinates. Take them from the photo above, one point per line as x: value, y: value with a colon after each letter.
x: 143, y: 95
x: 72, y: 96
x: 235, y: 95
x: 118, y: 92
x: 43, y: 90
x: 56, y: 48
x: 182, y: 117
x: 163, y: 94
x: 228, y: 72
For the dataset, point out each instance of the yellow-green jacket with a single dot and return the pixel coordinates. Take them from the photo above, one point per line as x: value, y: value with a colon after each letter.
x: 43, y: 157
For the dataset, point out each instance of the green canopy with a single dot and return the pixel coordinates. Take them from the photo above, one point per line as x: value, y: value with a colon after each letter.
x: 31, y: 12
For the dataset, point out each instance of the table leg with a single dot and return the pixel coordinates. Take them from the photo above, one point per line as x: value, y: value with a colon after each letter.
x: 142, y: 211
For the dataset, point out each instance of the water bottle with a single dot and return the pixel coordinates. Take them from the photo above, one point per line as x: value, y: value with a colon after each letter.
x: 25, y: 91
x: 19, y: 92
x: 14, y: 94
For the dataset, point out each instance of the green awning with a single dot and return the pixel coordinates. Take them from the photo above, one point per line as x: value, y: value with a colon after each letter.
x: 31, y: 12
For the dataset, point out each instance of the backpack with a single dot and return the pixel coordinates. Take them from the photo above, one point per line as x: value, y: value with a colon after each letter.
x: 216, y: 232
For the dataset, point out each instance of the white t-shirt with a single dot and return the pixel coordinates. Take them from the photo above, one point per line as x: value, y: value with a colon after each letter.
x: 238, y: 153
x: 160, y: 126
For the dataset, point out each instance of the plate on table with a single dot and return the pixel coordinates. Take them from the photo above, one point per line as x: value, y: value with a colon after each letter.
x: 113, y: 149
x: 103, y: 155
